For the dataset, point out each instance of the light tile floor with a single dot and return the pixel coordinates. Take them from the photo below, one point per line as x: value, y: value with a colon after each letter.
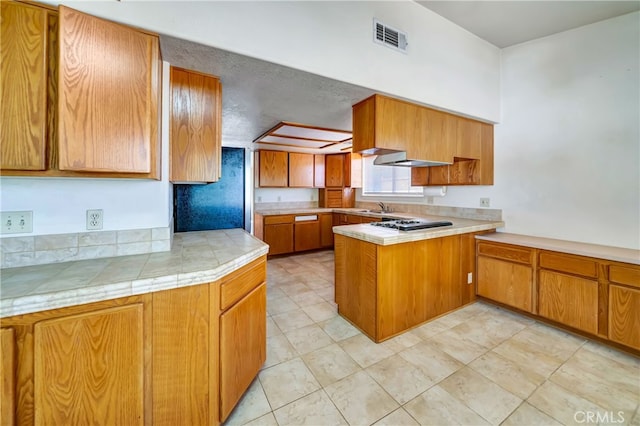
x: 476, y: 366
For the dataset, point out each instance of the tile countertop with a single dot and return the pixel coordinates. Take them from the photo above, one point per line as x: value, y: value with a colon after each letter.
x: 616, y: 254
x: 386, y: 236
x: 195, y: 258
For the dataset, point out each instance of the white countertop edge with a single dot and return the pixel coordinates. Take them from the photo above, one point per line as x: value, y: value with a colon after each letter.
x: 79, y: 296
x: 616, y: 254
x: 397, y: 237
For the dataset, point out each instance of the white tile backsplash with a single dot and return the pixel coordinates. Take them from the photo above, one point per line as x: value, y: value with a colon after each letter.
x: 44, y: 249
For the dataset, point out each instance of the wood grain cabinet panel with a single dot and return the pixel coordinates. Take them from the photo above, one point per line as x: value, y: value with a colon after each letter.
x: 109, y: 85
x: 318, y: 171
x: 628, y: 275
x: 505, y: 282
x: 567, y: 263
x: 506, y: 252
x: 569, y: 300
x: 239, y: 283
x: 89, y: 368
x: 8, y: 376
x: 307, y: 235
x: 326, y: 230
x: 301, y: 170
x: 279, y: 237
x: 624, y: 315
x: 23, y: 86
x: 243, y: 347
x: 468, y: 138
x: 181, y: 356
x: 195, y: 126
x: 334, y: 171
x: 273, y: 168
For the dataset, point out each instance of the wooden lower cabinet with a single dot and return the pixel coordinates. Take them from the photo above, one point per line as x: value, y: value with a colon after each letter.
x: 569, y: 300
x: 594, y: 296
x: 164, y: 358
x: 385, y: 290
x: 505, y: 282
x: 243, y: 337
x: 326, y: 230
x: 91, y: 366
x: 279, y: 236
x: 505, y: 274
x: 306, y: 235
x: 7, y: 376
x: 624, y: 315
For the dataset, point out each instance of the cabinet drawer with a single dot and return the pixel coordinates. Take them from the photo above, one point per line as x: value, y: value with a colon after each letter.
x: 628, y: 275
x: 506, y: 252
x: 239, y: 283
x: 273, y: 220
x: 570, y: 264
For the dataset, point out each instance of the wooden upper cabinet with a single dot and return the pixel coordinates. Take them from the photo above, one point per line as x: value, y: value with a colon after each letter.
x: 318, y: 173
x: 353, y: 170
x: 109, y: 86
x: 273, y: 168
x: 195, y: 126
x: 334, y: 171
x: 24, y: 51
x: 301, y: 170
x: 382, y: 124
x: 468, y: 138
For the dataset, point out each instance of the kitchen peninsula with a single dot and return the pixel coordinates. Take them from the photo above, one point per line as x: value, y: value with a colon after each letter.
x: 388, y: 281
x: 162, y: 338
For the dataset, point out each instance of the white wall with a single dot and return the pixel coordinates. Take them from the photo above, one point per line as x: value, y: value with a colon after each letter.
x: 59, y: 204
x: 567, y: 151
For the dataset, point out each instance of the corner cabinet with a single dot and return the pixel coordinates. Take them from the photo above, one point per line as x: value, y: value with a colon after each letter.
x: 195, y: 126
x: 593, y: 296
x: 138, y: 360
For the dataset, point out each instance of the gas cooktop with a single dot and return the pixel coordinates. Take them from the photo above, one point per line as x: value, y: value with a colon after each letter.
x: 410, y: 224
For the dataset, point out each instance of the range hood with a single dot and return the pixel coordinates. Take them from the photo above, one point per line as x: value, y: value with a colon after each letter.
x: 400, y: 159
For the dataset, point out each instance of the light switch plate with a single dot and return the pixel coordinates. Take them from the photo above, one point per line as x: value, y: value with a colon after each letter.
x: 16, y: 222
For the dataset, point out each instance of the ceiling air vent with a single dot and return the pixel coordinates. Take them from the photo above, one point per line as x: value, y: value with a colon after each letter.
x: 389, y: 36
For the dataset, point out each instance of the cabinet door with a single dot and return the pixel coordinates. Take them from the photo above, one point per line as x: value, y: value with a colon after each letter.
x: 318, y: 172
x: 23, y: 86
x: 439, y: 175
x: 569, y: 300
x: 108, y: 95
x: 243, y: 347
x: 505, y: 282
x: 420, y: 176
x: 334, y: 171
x: 7, y: 375
x: 326, y: 230
x: 194, y: 129
x: 624, y: 315
x: 273, y: 169
x: 307, y: 235
x: 279, y: 237
x: 89, y: 368
x: 181, y: 356
x: 468, y: 138
x: 301, y: 169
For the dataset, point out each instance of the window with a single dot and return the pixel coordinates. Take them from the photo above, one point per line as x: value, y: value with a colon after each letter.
x: 387, y: 180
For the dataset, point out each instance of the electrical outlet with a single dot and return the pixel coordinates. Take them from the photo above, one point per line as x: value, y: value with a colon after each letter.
x: 279, y: 198
x: 259, y: 199
x: 429, y: 200
x: 16, y: 222
x: 470, y: 278
x: 485, y: 202
x: 94, y: 220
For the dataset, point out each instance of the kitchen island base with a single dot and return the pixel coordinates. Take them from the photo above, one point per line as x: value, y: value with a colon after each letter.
x: 386, y: 290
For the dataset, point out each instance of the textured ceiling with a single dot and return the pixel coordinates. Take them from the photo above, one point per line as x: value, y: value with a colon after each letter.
x: 257, y: 95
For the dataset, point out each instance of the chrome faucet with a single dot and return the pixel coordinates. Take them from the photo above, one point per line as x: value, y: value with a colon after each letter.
x: 384, y: 207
